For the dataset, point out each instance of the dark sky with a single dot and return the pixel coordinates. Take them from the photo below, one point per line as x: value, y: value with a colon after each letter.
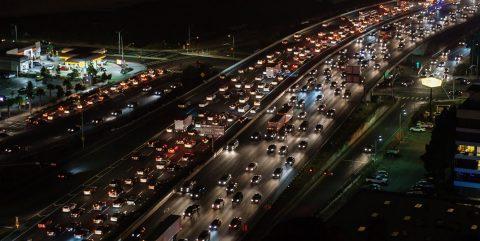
x: 16, y: 8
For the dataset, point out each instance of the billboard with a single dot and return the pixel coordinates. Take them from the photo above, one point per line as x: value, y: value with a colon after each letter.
x: 211, y: 130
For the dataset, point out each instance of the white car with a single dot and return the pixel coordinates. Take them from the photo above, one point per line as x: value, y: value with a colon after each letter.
x: 378, y: 179
x: 271, y: 109
x: 69, y: 207
x: 417, y: 129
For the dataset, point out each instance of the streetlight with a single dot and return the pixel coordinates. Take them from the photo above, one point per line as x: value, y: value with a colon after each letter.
x: 402, y: 113
x: 377, y: 141
x: 431, y: 82
x: 233, y: 44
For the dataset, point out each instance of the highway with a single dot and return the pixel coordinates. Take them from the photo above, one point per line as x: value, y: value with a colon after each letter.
x: 233, y: 163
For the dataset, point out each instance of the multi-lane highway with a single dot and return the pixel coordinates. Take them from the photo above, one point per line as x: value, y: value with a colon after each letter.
x: 95, y: 221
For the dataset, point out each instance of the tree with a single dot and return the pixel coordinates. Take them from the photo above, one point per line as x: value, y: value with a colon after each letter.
x: 74, y: 74
x: 67, y: 84
x: 60, y: 92
x: 104, y: 77
x: 50, y: 87
x: 9, y: 102
x: 40, y: 92
x: 79, y: 87
x: 440, y: 151
x: 20, y: 101
x: 57, y: 70
x: 29, y: 93
x: 91, y: 70
x: 44, y: 72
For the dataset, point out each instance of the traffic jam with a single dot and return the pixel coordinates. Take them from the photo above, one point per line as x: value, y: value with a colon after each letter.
x: 264, y: 156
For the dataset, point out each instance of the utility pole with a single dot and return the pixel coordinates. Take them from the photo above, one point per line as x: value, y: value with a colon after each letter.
x: 120, y: 47
x: 17, y: 223
x: 16, y: 33
x: 189, y: 39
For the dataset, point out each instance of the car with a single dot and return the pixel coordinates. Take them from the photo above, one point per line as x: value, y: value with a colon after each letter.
x: 224, y: 179
x: 290, y: 161
x: 318, y: 127
x: 378, y: 179
x: 97, y: 121
x: 330, y: 113
x: 256, y: 198
x: 187, y: 187
x: 302, y: 115
x: 303, y: 126
x: 99, y: 206
x: 76, y: 213
x: 369, y: 149
x: 333, y: 85
x: 146, y: 88
x: 392, y: 152
x: 271, y: 149
x: 132, y: 104
x: 300, y: 104
x: 88, y: 191
x: 455, y: 93
x: 319, y: 97
x: 198, y: 192
x: 73, y: 129
x: 376, y: 66
x: 375, y: 187
x: 116, y: 112
x: 302, y: 144
x: 215, y: 224
x: 63, y: 175
x: 158, y: 92
x: 191, y: 210
x: 322, y: 107
x: 232, y: 145
x: 218, y: 204
x: 282, y: 135
x: 251, y: 167
x: 337, y: 91
x: 417, y: 129
x: 277, y: 173
x: 255, y: 179
x: 318, y: 87
x: 283, y: 150
x: 270, y: 135
x: 347, y: 94
x: 231, y: 187
x: 237, y: 198
x: 271, y: 109
x: 256, y: 136
x: 289, y: 128
x: 69, y: 207
x: 235, y: 223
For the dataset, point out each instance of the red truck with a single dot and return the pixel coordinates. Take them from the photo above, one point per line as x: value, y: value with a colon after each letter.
x: 283, y: 116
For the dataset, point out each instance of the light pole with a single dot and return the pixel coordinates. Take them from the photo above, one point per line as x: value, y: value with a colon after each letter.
x: 402, y: 113
x: 233, y: 44
x: 377, y: 141
x: 431, y: 82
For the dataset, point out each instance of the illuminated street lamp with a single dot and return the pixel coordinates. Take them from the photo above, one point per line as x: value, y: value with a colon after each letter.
x: 377, y: 141
x: 402, y: 113
x: 431, y: 82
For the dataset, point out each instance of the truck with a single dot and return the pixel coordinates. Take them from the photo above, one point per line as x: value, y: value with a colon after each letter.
x: 283, y: 116
x: 181, y: 124
x: 277, y: 122
x: 168, y: 229
x: 353, y: 74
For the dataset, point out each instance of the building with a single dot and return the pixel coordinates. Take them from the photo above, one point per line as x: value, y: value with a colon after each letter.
x: 467, y: 139
x: 15, y: 56
x: 81, y: 57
